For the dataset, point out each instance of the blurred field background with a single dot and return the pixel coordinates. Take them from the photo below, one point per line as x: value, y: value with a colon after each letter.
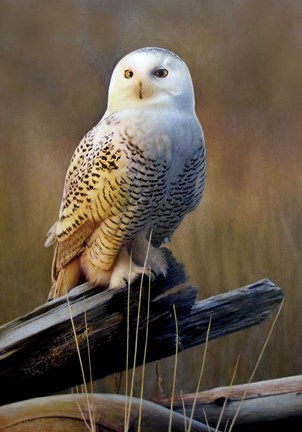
x: 245, y: 57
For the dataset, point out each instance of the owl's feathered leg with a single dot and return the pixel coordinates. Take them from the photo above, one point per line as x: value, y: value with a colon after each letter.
x: 125, y: 270
x: 122, y: 270
x: 155, y: 257
x: 132, y: 264
x: 115, y: 265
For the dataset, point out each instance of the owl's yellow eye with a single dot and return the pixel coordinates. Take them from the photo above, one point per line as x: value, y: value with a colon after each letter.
x: 128, y: 73
x: 160, y: 73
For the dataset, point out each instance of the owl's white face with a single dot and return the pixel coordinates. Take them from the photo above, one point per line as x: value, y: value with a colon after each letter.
x: 151, y: 78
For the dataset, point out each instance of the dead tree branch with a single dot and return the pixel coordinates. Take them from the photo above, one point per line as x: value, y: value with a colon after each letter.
x: 38, y: 354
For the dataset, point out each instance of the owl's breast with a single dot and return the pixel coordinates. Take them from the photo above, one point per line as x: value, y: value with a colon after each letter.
x: 166, y: 173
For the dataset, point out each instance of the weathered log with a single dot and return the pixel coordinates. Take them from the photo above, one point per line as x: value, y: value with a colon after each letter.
x: 98, y: 412
x: 259, y: 402
x: 38, y: 354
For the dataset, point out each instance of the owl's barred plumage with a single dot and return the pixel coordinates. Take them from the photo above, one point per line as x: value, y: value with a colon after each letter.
x: 132, y: 178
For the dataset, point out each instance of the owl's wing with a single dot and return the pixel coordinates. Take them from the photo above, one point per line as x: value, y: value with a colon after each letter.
x: 96, y: 189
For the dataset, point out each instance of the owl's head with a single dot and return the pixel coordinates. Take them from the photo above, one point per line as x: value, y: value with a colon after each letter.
x: 151, y: 78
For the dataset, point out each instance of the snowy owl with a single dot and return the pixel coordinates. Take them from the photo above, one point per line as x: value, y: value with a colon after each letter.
x: 132, y: 178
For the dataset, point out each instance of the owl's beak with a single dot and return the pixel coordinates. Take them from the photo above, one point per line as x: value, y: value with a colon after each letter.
x: 144, y: 90
x: 140, y: 91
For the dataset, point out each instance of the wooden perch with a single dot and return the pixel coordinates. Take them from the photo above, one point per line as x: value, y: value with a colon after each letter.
x: 264, y: 401
x: 68, y: 413
x: 38, y: 354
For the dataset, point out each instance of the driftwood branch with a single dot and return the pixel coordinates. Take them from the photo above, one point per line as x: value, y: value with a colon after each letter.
x: 38, y: 354
x: 74, y: 412
x: 264, y: 401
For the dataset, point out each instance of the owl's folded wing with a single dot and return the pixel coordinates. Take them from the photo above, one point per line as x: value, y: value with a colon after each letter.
x: 95, y: 191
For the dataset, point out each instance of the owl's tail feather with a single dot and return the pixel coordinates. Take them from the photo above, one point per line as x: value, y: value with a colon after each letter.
x: 68, y: 277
